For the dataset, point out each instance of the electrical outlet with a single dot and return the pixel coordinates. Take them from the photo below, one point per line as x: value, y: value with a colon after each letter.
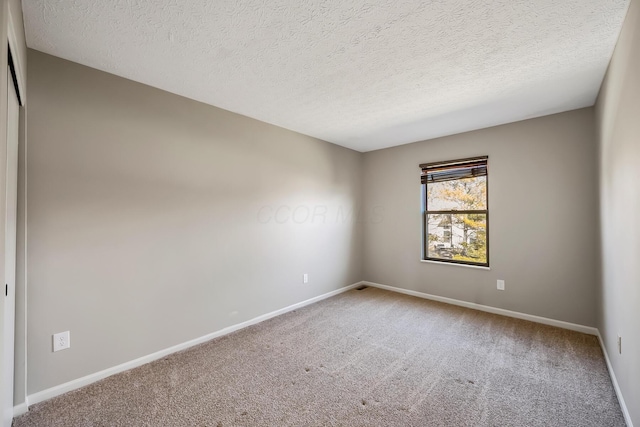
x: 61, y: 341
x: 501, y: 285
x: 619, y: 344
x: 305, y: 278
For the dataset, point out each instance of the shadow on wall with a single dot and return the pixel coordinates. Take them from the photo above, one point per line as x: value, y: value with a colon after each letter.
x: 154, y: 219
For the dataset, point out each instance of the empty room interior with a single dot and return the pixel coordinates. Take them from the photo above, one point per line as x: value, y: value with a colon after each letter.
x: 320, y: 213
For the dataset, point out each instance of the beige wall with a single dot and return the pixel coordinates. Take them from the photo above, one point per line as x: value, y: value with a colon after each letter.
x: 154, y: 219
x: 618, y: 117
x: 543, y: 218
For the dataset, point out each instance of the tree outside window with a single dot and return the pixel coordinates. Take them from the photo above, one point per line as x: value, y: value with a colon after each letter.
x: 456, y: 211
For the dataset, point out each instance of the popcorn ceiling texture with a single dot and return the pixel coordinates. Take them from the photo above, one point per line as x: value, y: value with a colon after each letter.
x: 360, y: 74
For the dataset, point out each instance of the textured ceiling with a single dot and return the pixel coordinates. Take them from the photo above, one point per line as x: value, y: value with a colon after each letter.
x: 362, y: 74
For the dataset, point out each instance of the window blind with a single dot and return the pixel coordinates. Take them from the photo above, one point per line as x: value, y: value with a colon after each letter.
x: 451, y: 170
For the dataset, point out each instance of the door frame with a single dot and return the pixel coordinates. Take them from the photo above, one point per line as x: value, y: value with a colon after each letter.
x: 16, y: 68
x: 17, y: 62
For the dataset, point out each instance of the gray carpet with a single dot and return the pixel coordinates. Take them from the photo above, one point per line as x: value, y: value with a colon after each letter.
x: 363, y: 358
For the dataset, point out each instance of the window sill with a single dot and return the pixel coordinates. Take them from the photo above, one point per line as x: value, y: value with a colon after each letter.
x: 451, y: 264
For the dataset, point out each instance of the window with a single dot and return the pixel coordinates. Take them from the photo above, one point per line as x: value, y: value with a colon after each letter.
x: 456, y: 211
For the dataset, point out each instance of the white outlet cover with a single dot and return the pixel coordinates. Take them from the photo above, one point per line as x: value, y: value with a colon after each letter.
x: 501, y: 285
x: 61, y: 341
x: 305, y: 278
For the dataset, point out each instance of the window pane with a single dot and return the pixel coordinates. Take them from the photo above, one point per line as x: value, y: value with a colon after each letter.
x: 460, y: 194
x: 461, y: 237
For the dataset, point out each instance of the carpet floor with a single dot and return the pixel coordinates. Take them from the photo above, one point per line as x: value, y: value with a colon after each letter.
x: 362, y: 358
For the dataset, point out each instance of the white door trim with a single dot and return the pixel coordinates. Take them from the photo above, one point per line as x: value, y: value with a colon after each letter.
x: 17, y: 64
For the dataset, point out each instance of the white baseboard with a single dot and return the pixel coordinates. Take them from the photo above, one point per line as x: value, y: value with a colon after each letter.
x: 530, y: 317
x: 537, y: 319
x: 81, y: 382
x: 20, y: 409
x: 616, y: 387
